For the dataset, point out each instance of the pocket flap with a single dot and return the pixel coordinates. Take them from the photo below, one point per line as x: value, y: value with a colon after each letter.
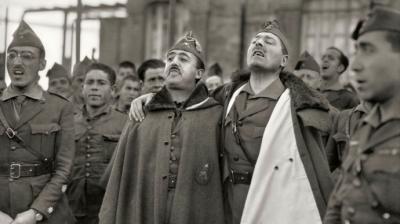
x: 111, y: 138
x: 44, y: 128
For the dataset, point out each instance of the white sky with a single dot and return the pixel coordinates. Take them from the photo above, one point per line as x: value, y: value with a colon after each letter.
x: 48, y: 26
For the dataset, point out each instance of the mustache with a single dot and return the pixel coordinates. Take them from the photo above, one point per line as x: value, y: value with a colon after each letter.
x: 174, y: 67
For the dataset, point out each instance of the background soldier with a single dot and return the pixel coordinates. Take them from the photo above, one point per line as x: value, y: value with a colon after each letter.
x: 60, y: 81
x: 308, y: 70
x: 36, y: 139
x: 97, y: 131
x: 334, y: 63
x: 368, y: 190
x: 151, y: 72
x: 128, y: 90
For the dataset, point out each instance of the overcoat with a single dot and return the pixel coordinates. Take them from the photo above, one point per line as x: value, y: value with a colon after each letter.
x: 138, y: 184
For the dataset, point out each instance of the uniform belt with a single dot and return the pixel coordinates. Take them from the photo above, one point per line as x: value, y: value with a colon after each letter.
x: 172, y: 178
x: 17, y: 170
x: 236, y: 177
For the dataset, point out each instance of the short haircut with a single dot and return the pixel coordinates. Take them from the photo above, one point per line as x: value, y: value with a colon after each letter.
x: 344, y: 60
x: 149, y: 64
x: 127, y: 64
x: 105, y: 68
x: 394, y: 39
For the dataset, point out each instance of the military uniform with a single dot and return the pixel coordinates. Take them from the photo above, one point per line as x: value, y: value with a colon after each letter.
x: 96, y: 138
x: 251, y: 113
x: 368, y: 190
x: 45, y: 123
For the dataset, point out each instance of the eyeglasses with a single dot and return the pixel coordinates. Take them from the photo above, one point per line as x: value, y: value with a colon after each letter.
x: 24, y: 55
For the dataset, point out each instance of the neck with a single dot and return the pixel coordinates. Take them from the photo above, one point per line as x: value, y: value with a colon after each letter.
x: 94, y: 110
x: 121, y: 106
x: 332, y: 83
x: 23, y: 89
x: 259, y: 80
x: 179, y: 95
x: 391, y: 105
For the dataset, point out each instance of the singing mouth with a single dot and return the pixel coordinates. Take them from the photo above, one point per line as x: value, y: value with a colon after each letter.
x: 258, y: 53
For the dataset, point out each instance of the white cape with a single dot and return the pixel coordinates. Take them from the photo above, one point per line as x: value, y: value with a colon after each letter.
x: 280, y: 192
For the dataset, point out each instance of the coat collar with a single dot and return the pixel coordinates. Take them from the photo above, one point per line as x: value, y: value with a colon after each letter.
x: 34, y: 92
x: 197, y: 99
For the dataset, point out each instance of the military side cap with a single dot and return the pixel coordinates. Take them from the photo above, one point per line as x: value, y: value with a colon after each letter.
x: 307, y: 61
x: 190, y: 44
x: 380, y: 19
x: 57, y: 71
x: 25, y: 36
x: 274, y: 28
x: 81, y: 67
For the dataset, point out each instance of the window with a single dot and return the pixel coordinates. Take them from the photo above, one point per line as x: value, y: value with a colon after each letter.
x: 157, y: 27
x: 329, y: 23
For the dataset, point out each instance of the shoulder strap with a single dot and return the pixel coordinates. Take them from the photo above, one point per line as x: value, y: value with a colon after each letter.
x: 14, y: 136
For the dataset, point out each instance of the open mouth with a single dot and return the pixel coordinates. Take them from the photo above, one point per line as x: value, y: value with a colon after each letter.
x: 258, y: 53
x: 18, y: 71
x: 174, y: 70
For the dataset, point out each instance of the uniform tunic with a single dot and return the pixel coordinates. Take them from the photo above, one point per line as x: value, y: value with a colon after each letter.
x: 253, y: 113
x: 96, y: 138
x: 45, y: 123
x: 368, y: 189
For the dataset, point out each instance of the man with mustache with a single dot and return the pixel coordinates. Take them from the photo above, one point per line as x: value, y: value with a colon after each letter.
x: 166, y: 168
x: 368, y: 190
x: 274, y: 131
x: 97, y: 130
x: 36, y: 139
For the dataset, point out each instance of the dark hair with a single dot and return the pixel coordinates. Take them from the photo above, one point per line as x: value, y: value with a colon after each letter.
x: 105, y: 68
x: 394, y: 39
x: 127, y: 64
x: 344, y: 60
x: 149, y: 64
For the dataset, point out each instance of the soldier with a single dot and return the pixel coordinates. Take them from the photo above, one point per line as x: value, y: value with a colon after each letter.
x: 166, y: 169
x: 3, y: 86
x: 59, y: 81
x: 213, y: 82
x: 125, y: 68
x: 128, y: 91
x: 334, y: 64
x: 36, y: 139
x: 250, y: 140
x: 308, y: 70
x: 368, y: 190
x: 97, y: 131
x: 151, y: 72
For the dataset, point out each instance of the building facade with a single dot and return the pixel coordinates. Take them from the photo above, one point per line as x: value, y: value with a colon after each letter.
x: 224, y: 27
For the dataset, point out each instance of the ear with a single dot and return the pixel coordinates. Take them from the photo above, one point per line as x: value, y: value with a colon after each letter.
x: 199, y: 74
x: 114, y: 91
x: 42, y: 64
x: 340, y: 69
x: 285, y: 60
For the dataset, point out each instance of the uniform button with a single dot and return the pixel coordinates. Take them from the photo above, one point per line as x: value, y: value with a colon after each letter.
x: 386, y: 215
x: 88, y: 137
x: 13, y: 148
x: 351, y: 210
x: 87, y: 146
x: 64, y: 188
x: 87, y: 164
x: 87, y: 155
x: 291, y: 159
x: 173, y: 136
x: 87, y: 174
x: 357, y: 182
x: 50, y: 210
x: 172, y: 148
x: 173, y: 158
x: 166, y: 143
x: 236, y: 158
x: 276, y: 167
x: 347, y: 221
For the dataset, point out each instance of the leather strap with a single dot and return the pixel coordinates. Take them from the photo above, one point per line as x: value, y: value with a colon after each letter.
x: 12, y: 135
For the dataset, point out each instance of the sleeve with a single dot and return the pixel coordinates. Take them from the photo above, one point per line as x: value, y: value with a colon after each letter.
x: 333, y: 215
x: 64, y: 150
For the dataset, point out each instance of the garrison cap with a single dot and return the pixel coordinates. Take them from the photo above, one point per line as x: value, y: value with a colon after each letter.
x: 57, y: 71
x: 25, y: 36
x: 380, y: 19
x: 190, y: 44
x: 274, y: 28
x: 81, y: 67
x: 307, y: 61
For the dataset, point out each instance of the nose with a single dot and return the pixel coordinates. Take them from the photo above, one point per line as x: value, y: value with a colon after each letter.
x: 356, y: 65
x: 258, y: 43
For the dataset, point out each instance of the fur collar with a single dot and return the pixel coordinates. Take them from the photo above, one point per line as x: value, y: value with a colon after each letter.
x: 197, y: 99
x: 302, y: 96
